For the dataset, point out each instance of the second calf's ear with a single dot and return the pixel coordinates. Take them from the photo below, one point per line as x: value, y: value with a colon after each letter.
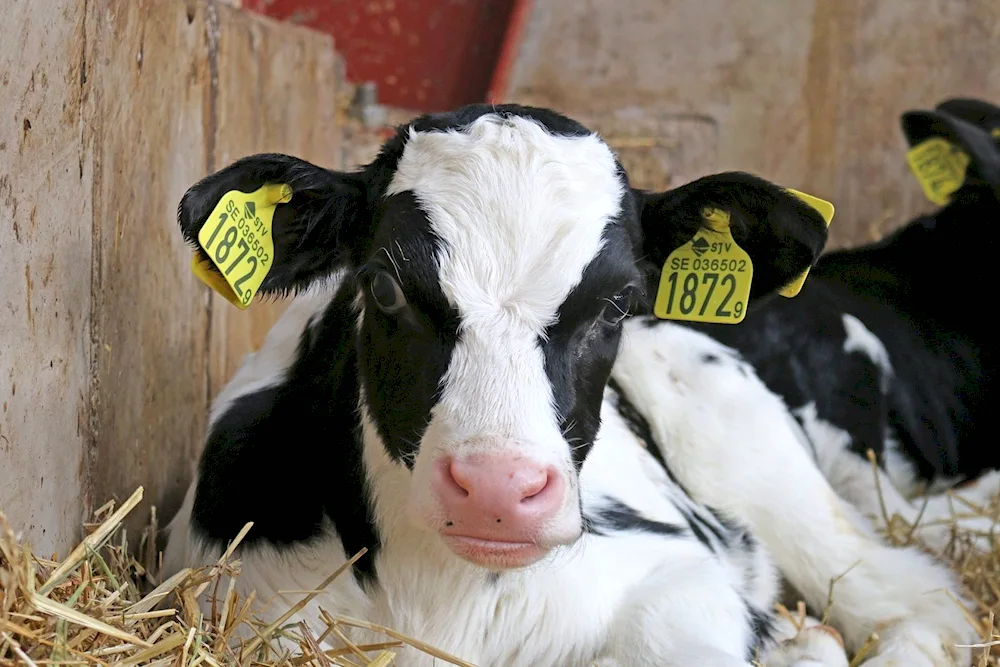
x: 950, y: 151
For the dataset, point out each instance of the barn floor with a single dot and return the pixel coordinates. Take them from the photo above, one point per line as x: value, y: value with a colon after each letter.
x: 101, y: 605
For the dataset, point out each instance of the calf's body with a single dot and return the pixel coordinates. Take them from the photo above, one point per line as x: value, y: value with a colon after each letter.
x: 460, y: 392
x: 645, y: 545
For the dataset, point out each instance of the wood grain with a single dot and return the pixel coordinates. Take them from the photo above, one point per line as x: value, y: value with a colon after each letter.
x: 149, y: 130
x: 45, y: 275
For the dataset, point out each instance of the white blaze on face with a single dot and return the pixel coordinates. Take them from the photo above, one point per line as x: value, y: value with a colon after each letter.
x: 520, y: 213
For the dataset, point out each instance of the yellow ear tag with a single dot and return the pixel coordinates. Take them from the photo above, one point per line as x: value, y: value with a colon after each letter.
x: 995, y: 133
x: 707, y: 279
x: 825, y: 209
x: 940, y: 168
x: 237, y: 238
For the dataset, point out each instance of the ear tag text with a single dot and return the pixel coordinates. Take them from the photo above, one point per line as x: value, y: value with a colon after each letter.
x: 939, y: 166
x: 237, y: 238
x: 825, y: 209
x: 708, y: 278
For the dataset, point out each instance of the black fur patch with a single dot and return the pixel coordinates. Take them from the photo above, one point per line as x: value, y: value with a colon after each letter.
x: 615, y: 516
x: 288, y: 458
x: 762, y: 627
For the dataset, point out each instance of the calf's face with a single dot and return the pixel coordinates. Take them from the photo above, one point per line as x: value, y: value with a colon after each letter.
x: 494, y: 253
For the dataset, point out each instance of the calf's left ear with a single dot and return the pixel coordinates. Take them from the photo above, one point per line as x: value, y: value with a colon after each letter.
x: 782, y: 234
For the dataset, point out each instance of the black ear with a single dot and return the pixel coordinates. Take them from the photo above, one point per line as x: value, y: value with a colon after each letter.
x: 783, y: 235
x: 967, y: 136
x: 977, y: 112
x: 313, y: 233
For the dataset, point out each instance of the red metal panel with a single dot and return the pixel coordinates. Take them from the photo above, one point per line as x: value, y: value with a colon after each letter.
x: 516, y: 24
x: 425, y: 55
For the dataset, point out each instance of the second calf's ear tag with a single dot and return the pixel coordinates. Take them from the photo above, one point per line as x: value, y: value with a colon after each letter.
x: 237, y: 238
x: 825, y: 209
x: 939, y: 166
x: 708, y: 278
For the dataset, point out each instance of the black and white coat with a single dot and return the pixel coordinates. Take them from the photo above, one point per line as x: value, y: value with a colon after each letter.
x: 466, y: 301
x: 890, y: 347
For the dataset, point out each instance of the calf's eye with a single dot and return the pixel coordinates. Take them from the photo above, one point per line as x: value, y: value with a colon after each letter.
x: 615, y: 310
x: 386, y: 292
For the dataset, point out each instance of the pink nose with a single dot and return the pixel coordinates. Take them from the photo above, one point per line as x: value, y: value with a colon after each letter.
x: 497, y: 497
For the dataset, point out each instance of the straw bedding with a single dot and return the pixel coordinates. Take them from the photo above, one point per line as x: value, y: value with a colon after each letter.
x: 104, y: 604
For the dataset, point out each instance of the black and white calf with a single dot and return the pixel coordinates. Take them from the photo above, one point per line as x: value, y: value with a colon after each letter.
x: 890, y: 346
x: 459, y: 389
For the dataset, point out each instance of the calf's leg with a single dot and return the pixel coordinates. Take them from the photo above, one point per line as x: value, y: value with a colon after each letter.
x: 732, y: 443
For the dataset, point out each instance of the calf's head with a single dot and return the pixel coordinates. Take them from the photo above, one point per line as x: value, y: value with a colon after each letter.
x: 493, y: 254
x: 972, y: 127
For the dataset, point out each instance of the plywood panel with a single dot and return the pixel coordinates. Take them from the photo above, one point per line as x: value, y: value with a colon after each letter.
x: 151, y: 119
x: 806, y: 93
x: 112, y: 110
x: 45, y: 274
x: 658, y: 150
x: 277, y: 93
x: 901, y: 56
x: 702, y: 58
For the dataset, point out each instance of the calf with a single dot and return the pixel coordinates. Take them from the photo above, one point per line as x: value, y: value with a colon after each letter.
x: 888, y: 346
x: 477, y: 415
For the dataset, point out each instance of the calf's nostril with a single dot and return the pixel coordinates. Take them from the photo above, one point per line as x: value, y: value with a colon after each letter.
x: 458, y: 481
x: 534, y: 487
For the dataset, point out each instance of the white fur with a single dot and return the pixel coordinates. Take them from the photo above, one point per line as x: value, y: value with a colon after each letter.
x: 520, y: 213
x: 765, y: 477
x: 811, y: 645
x: 854, y: 479
x: 861, y: 339
x: 899, y: 468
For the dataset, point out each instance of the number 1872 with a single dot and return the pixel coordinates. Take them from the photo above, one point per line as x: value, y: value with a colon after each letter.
x: 223, y: 249
x: 684, y: 294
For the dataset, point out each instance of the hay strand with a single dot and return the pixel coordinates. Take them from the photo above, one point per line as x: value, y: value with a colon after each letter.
x: 92, y: 543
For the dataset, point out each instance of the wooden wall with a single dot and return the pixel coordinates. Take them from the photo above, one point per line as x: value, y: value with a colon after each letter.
x: 805, y: 92
x: 111, y: 348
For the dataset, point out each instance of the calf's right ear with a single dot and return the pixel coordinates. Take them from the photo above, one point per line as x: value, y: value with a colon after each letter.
x: 782, y: 234
x: 311, y: 233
